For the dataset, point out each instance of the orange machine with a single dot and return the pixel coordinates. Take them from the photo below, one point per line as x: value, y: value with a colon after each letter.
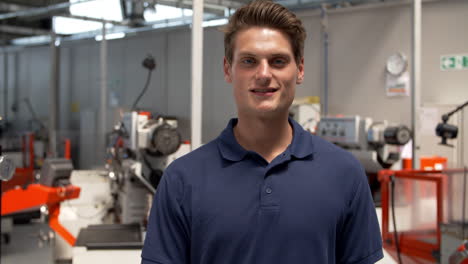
x: 23, y: 175
x: 22, y: 193
x: 35, y: 195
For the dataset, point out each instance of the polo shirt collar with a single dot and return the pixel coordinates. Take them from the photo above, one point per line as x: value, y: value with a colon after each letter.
x: 301, y: 146
x: 228, y: 146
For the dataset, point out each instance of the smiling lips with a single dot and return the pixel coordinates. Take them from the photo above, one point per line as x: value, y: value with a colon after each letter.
x: 263, y: 91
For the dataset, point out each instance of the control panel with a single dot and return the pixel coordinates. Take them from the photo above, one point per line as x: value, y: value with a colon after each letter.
x: 340, y: 130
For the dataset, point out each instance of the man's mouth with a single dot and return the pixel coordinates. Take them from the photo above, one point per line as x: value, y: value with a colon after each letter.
x: 263, y: 91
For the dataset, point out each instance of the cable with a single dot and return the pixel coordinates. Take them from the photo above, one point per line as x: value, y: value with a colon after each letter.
x: 150, y: 64
x: 464, y: 202
x: 397, y: 244
x: 33, y: 113
x: 143, y: 91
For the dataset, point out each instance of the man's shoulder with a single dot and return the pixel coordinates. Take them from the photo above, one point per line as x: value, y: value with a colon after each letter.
x: 321, y: 146
x: 195, y: 159
x: 334, y: 156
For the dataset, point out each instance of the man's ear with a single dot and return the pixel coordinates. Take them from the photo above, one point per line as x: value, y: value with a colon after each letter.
x: 300, y: 72
x: 227, y: 71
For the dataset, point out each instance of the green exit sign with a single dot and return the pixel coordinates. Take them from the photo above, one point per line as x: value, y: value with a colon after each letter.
x: 454, y: 62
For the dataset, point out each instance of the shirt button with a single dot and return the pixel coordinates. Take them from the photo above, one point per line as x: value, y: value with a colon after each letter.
x: 268, y: 190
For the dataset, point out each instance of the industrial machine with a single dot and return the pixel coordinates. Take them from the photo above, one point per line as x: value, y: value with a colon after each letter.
x: 111, y: 216
x: 429, y: 220
x: 7, y: 167
x: 306, y: 112
x: 19, y: 166
x: 374, y: 144
x: 52, y: 188
x: 446, y: 131
x: 140, y: 148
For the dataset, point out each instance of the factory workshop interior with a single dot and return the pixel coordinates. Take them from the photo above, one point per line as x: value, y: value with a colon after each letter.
x: 99, y: 97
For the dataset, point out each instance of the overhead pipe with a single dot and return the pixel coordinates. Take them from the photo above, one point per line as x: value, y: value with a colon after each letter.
x: 8, y: 7
x: 22, y: 30
x: 312, y: 10
x: 41, y: 10
x: 217, y: 9
x: 100, y: 20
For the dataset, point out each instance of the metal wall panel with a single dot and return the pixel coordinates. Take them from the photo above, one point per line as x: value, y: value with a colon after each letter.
x: 24, y: 88
x: 218, y: 100
x: 312, y: 84
x: 39, y: 81
x: 444, y: 33
x: 178, y: 78
x: 135, y: 50
x: 360, y: 43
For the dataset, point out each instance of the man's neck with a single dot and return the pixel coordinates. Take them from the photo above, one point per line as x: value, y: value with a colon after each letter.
x: 268, y: 137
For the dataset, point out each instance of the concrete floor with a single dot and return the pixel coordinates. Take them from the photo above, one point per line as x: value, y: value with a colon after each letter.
x: 387, y: 258
x: 29, y: 243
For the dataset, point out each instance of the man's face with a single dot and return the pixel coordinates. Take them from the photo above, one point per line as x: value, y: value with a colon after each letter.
x: 263, y: 72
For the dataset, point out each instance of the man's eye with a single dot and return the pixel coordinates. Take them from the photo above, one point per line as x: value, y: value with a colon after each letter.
x: 248, y: 61
x: 279, y: 62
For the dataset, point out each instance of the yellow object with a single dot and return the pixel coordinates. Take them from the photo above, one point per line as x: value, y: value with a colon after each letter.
x: 307, y: 100
x: 75, y: 107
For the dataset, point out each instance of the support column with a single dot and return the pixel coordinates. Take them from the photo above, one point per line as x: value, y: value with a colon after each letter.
x: 416, y: 79
x: 197, y: 73
x: 53, y: 97
x: 103, y: 96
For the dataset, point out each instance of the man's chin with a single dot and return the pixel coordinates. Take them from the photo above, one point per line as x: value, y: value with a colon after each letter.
x: 269, y: 112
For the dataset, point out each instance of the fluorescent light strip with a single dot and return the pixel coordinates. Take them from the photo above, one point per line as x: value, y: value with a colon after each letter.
x: 215, y: 22
x: 117, y: 35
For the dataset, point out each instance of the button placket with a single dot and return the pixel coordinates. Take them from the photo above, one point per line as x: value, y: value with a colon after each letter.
x: 267, y: 192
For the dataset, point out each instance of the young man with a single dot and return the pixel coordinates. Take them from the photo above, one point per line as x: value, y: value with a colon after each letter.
x: 265, y: 191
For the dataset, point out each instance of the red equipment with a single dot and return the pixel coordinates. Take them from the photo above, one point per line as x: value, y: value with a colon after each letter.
x: 423, y: 201
x: 36, y: 195
x: 24, y: 175
x: 20, y: 194
x: 461, y: 255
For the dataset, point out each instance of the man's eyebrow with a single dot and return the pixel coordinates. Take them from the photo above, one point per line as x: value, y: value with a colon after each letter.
x: 280, y: 54
x: 247, y: 54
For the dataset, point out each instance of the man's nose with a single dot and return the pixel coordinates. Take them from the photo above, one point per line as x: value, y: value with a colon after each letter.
x: 264, y: 73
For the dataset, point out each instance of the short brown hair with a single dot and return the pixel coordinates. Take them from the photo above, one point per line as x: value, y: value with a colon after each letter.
x: 265, y: 13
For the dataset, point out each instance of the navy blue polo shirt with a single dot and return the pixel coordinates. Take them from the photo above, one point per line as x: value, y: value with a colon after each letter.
x: 222, y: 204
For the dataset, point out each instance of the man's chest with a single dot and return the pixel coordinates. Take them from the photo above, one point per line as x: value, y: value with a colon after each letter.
x: 247, y: 205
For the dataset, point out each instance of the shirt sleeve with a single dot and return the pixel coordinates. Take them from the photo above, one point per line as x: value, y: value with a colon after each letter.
x: 167, y: 238
x: 359, y: 240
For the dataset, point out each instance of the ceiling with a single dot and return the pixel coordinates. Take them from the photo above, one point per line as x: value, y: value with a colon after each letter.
x: 19, y: 19
x: 25, y: 26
